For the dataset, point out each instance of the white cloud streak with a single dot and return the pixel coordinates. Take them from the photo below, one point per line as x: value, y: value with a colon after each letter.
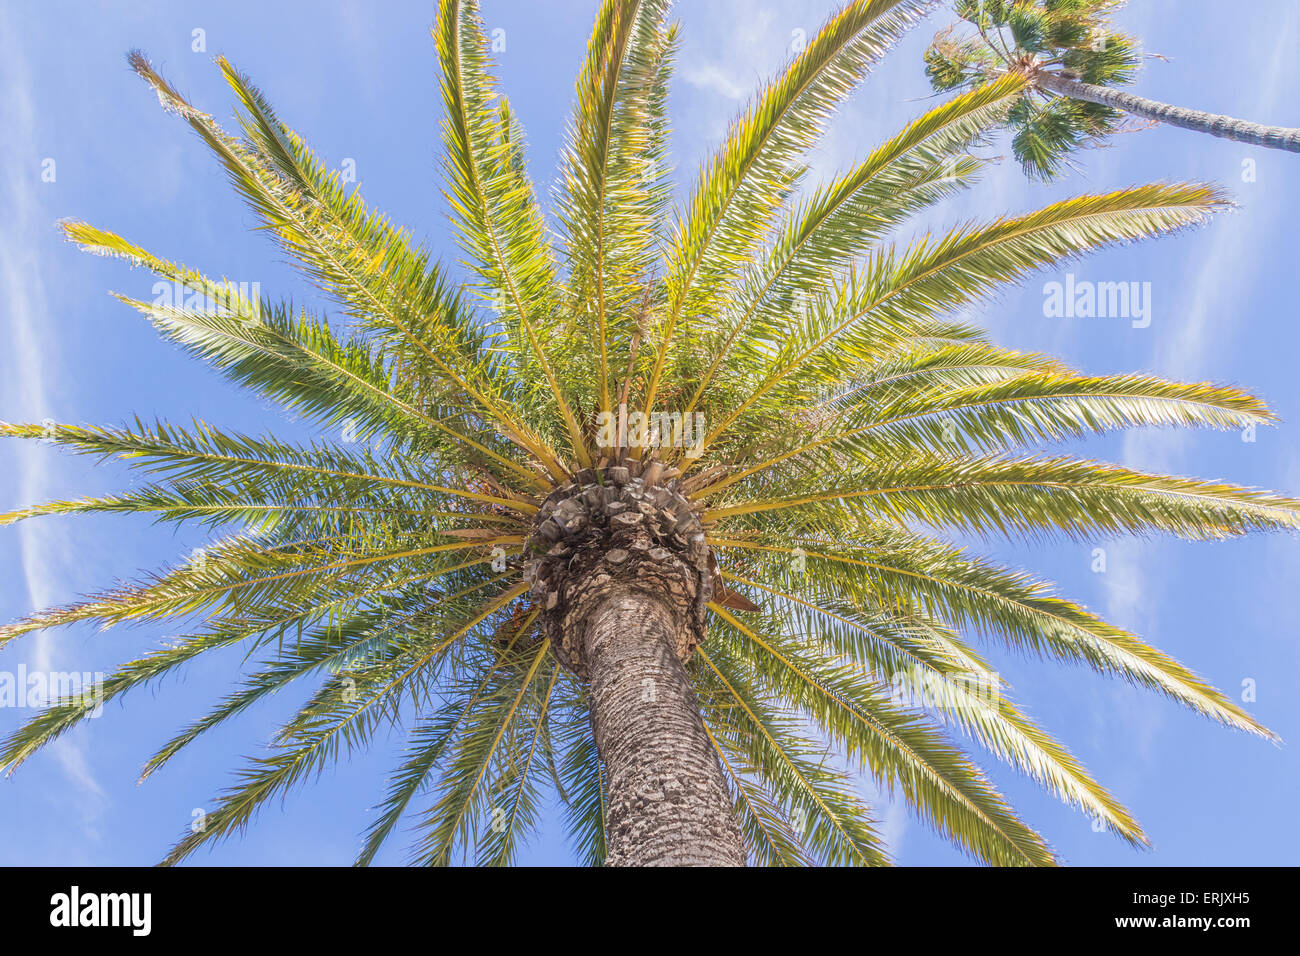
x: 1207, y: 313
x: 30, y: 361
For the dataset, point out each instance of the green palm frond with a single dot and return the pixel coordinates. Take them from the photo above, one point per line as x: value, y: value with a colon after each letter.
x: 581, y: 781
x: 499, y: 222
x: 428, y: 742
x: 835, y: 822
x: 296, y: 360
x: 481, y: 764
x: 753, y: 175
x: 897, y: 746
x: 877, y: 306
x: 614, y: 186
x: 913, y: 170
x: 944, y: 582
x: 1028, y: 496
x: 343, y: 713
x: 925, y: 664
x: 769, y: 834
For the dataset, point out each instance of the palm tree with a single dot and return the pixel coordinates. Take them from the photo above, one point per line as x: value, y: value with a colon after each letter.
x: 646, y: 527
x: 1071, y: 57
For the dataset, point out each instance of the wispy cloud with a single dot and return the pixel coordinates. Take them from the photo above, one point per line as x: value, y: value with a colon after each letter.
x: 1208, y: 316
x: 730, y: 48
x: 1212, y: 303
x: 1231, y: 262
x: 713, y: 78
x: 45, y: 552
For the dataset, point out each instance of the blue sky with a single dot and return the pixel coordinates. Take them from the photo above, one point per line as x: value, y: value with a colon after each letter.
x: 358, y: 80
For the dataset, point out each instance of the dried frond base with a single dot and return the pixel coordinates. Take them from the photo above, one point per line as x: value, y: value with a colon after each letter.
x: 627, y: 525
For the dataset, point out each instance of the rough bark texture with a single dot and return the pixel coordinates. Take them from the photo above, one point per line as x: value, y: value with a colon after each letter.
x: 1226, y: 127
x: 668, y: 799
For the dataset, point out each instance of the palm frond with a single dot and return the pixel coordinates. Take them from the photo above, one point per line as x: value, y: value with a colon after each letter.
x: 499, y: 221
x: 755, y: 172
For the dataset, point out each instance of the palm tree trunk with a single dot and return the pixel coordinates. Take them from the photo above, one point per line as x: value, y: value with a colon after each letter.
x: 1225, y: 127
x: 668, y: 799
